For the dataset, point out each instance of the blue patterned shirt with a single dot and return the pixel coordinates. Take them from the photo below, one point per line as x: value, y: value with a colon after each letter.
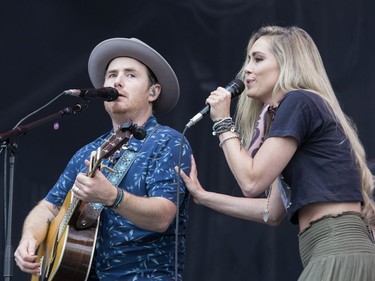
x: 123, y: 250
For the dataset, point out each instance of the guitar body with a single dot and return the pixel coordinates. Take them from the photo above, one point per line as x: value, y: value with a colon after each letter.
x: 68, y: 257
x: 68, y: 249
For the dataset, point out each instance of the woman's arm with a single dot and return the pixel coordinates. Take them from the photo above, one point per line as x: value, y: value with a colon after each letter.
x: 254, y: 175
x: 251, y: 209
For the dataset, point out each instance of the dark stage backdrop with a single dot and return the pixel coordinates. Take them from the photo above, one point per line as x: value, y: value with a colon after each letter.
x: 44, y: 48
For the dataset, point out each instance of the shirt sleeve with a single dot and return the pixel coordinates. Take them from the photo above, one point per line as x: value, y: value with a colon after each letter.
x: 163, y: 181
x: 297, y: 116
x: 75, y: 166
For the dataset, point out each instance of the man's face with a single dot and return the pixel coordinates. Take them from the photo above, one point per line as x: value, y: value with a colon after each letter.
x: 130, y: 78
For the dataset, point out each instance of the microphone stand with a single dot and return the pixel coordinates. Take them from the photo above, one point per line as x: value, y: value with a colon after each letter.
x: 10, y: 147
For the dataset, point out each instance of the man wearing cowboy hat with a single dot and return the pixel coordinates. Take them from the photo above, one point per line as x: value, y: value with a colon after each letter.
x: 137, y: 231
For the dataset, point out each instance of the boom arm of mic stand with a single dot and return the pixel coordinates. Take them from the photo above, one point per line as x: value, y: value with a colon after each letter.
x: 48, y: 119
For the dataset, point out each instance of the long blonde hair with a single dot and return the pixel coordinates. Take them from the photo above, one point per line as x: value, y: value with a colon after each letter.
x: 301, y: 67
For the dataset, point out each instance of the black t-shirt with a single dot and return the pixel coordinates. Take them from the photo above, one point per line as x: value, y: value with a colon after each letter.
x: 323, y: 169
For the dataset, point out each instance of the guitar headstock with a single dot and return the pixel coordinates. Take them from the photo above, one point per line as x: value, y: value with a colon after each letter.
x: 113, y: 143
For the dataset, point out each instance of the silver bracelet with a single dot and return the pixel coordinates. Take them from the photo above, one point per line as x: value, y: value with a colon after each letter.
x: 228, y: 138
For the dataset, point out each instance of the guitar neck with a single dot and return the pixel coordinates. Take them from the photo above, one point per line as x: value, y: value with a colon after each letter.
x: 68, y: 215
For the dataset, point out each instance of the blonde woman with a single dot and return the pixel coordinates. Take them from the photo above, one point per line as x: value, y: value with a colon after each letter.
x: 292, y: 140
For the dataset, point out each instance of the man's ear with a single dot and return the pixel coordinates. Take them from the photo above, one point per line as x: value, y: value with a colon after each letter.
x: 154, y: 92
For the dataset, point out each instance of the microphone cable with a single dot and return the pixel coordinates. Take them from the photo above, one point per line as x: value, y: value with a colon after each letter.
x: 34, y: 112
x: 178, y: 203
x: 37, y: 110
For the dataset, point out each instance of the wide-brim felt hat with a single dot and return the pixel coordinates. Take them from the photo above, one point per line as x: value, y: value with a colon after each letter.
x: 134, y: 48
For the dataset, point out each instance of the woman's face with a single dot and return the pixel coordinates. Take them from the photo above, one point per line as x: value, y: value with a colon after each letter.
x: 262, y: 71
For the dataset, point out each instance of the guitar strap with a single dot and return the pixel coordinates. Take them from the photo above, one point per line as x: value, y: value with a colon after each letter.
x: 91, y: 211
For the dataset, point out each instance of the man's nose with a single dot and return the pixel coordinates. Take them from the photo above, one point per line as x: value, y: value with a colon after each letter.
x: 118, y: 81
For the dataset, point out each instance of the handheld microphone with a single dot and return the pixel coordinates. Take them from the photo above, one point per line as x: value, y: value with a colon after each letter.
x: 108, y: 93
x: 235, y: 87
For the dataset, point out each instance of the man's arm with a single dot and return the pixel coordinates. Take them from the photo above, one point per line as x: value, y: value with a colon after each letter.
x: 34, y: 231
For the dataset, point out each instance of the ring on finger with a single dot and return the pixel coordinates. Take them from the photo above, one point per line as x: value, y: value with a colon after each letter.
x: 75, y: 189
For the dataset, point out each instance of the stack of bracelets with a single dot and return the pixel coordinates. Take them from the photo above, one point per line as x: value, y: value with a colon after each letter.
x: 119, y: 197
x: 225, y: 125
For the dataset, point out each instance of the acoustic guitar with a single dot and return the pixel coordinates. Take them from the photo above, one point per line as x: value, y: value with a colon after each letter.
x: 67, y: 251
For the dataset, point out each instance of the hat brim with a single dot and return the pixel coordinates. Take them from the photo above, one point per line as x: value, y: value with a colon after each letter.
x: 109, y: 49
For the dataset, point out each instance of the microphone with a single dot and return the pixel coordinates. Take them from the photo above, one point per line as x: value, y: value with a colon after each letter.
x: 235, y: 87
x: 108, y: 93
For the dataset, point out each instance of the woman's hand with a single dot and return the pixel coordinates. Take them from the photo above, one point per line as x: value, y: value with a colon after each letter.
x: 192, y: 183
x: 219, y: 101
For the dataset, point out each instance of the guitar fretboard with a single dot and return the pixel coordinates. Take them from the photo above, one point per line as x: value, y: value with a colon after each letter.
x: 67, y: 216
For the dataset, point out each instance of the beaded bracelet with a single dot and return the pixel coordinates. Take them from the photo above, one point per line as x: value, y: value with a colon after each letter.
x: 119, y: 197
x: 228, y: 138
x: 221, y: 121
x: 222, y: 126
